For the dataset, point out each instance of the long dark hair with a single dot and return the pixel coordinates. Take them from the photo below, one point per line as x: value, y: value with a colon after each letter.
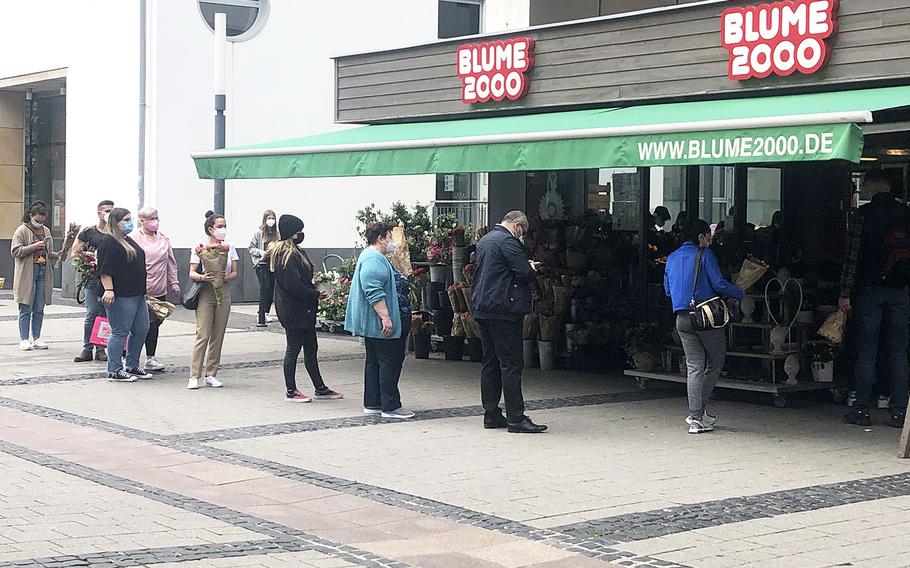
x: 695, y: 228
x: 36, y: 208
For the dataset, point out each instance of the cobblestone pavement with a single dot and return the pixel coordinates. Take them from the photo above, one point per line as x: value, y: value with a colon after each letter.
x: 150, y: 474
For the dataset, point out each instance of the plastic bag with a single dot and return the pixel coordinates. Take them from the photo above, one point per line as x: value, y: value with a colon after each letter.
x: 833, y: 328
x: 750, y: 273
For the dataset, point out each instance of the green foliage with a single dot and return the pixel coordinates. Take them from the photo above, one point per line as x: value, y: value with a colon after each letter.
x: 416, y: 222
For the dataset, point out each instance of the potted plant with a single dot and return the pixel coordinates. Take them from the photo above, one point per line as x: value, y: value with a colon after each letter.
x: 421, y: 330
x: 822, y: 354
x: 643, y: 347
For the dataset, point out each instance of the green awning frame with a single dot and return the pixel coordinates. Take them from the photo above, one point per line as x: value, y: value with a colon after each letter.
x: 793, y: 128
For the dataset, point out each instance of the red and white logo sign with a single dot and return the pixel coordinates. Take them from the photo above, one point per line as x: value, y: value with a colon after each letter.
x: 496, y: 70
x: 778, y: 38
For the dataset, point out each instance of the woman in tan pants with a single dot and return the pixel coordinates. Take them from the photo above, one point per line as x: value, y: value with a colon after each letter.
x: 214, y: 300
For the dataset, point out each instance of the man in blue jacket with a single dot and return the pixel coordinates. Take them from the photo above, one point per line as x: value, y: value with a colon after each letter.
x: 501, y: 297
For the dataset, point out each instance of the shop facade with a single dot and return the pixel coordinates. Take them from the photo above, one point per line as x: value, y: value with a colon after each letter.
x: 761, y: 117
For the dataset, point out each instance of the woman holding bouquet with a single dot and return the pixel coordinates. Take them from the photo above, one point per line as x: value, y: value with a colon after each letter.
x: 121, y: 265
x: 214, y: 264
x: 296, y: 301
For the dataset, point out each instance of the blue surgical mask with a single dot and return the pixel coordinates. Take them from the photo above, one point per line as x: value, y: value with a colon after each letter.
x: 128, y: 227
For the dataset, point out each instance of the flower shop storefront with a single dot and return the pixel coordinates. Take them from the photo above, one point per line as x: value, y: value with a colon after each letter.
x: 611, y: 133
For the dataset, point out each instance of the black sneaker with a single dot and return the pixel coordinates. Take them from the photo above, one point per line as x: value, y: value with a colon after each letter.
x: 260, y: 321
x: 121, y: 376
x: 859, y: 416
x: 86, y: 355
x: 897, y: 419
x: 140, y: 373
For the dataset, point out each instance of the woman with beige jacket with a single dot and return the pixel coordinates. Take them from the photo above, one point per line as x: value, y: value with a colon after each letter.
x: 33, y: 279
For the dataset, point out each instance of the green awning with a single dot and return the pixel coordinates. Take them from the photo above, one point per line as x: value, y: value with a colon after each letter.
x: 809, y: 127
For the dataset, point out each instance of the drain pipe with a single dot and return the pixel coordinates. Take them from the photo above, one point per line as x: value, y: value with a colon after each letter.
x: 142, y: 102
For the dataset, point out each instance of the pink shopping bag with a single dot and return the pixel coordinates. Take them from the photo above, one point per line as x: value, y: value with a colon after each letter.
x: 101, y: 333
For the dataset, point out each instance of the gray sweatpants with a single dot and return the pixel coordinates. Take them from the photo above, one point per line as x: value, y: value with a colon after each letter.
x: 705, y: 352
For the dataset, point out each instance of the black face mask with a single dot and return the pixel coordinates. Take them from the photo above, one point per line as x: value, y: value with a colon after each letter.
x: 298, y: 239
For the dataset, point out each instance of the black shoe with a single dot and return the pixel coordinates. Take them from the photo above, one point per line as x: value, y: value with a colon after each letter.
x: 897, y: 419
x: 140, y: 373
x: 494, y: 421
x: 100, y: 355
x: 526, y: 427
x: 858, y: 416
x: 121, y: 376
x: 260, y: 321
x: 86, y: 355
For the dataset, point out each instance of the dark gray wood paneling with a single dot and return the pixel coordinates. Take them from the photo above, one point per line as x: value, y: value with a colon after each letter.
x: 666, y: 55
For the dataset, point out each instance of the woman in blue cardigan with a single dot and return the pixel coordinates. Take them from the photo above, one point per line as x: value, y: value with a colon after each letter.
x: 373, y: 313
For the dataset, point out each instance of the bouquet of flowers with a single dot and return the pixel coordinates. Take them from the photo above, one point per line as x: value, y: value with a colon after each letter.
x: 86, y: 264
x: 214, y: 261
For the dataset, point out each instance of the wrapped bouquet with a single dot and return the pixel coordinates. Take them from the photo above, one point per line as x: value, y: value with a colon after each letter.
x: 214, y: 261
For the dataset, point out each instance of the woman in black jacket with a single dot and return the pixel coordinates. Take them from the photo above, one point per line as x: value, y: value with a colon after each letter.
x: 296, y: 301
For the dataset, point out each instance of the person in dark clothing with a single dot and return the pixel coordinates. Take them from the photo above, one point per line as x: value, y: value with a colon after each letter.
x: 874, y: 286
x: 501, y: 297
x: 296, y: 301
x: 88, y: 240
x: 265, y: 235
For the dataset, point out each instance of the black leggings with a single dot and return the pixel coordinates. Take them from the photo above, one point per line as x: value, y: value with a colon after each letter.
x: 151, y: 339
x: 297, y: 339
x: 266, y: 288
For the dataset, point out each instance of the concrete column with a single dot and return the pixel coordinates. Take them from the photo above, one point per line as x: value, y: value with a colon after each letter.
x: 12, y: 160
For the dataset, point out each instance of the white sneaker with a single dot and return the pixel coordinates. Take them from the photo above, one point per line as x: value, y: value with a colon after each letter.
x: 213, y: 382
x: 709, y: 419
x: 372, y: 411
x: 193, y: 384
x: 698, y: 426
x: 152, y: 364
x: 25, y: 345
x: 38, y: 343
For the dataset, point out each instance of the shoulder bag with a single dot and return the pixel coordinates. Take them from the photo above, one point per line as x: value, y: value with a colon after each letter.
x: 190, y: 297
x: 709, y: 314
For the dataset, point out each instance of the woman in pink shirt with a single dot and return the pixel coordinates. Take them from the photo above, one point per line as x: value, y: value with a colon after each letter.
x: 161, y: 268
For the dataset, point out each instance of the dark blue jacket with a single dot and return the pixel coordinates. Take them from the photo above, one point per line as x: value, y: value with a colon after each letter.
x: 501, y: 287
x: 680, y: 271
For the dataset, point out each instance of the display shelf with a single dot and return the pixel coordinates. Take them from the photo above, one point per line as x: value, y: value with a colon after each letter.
x: 760, y: 355
x: 758, y: 325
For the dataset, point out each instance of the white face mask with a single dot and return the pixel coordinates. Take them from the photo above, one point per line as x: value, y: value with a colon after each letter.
x: 391, y: 247
x: 107, y: 217
x: 220, y: 233
x: 36, y: 224
x: 269, y: 222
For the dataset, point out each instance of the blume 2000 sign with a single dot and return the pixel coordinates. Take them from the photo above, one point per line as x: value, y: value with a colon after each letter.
x: 779, y: 38
x: 495, y: 70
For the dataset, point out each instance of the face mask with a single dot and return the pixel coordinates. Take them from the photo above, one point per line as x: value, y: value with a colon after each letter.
x: 391, y: 247
x: 298, y: 239
x: 128, y: 227
x: 152, y: 225
x: 220, y: 233
x: 269, y: 222
x: 107, y: 217
x: 36, y: 224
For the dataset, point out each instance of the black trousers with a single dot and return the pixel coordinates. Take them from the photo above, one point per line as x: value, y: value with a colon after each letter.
x: 266, y: 289
x: 503, y: 361
x: 151, y: 339
x: 305, y: 339
x: 383, y: 370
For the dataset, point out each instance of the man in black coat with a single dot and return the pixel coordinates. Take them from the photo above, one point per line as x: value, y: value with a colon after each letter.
x: 501, y: 297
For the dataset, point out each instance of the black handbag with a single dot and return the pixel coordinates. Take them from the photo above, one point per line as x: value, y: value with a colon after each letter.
x: 190, y: 297
x: 709, y: 314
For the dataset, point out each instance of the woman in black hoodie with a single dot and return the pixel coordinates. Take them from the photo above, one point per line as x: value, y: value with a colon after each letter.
x: 296, y: 301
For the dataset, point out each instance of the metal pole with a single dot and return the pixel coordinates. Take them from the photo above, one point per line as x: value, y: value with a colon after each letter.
x: 220, y: 100
x: 645, y: 222
x: 142, y: 99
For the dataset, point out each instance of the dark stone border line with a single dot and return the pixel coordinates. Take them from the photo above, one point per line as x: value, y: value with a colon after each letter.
x: 239, y: 365
x: 150, y: 556
x: 259, y: 431
x: 592, y: 546
x: 673, y: 520
x: 281, y: 535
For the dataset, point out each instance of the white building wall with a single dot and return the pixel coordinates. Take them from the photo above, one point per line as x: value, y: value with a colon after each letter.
x: 506, y: 15
x: 97, y: 43
x: 280, y: 85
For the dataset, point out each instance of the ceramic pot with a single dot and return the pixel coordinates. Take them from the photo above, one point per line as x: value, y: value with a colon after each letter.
x: 545, y: 350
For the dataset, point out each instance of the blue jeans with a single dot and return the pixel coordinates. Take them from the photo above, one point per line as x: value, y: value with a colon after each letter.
x: 93, y: 309
x: 886, y: 312
x: 31, y: 316
x: 129, y: 318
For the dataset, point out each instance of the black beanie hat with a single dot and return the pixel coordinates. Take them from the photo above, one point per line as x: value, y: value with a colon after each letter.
x: 288, y: 226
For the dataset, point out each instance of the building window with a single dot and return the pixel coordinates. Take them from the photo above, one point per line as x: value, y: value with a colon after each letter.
x: 459, y: 18
x: 245, y: 18
x: 462, y: 195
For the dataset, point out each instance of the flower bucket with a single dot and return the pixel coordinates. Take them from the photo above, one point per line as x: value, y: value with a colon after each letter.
x: 422, y: 346
x: 475, y: 349
x: 545, y: 351
x: 441, y: 273
x: 529, y: 347
x: 823, y: 371
x: 454, y: 347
